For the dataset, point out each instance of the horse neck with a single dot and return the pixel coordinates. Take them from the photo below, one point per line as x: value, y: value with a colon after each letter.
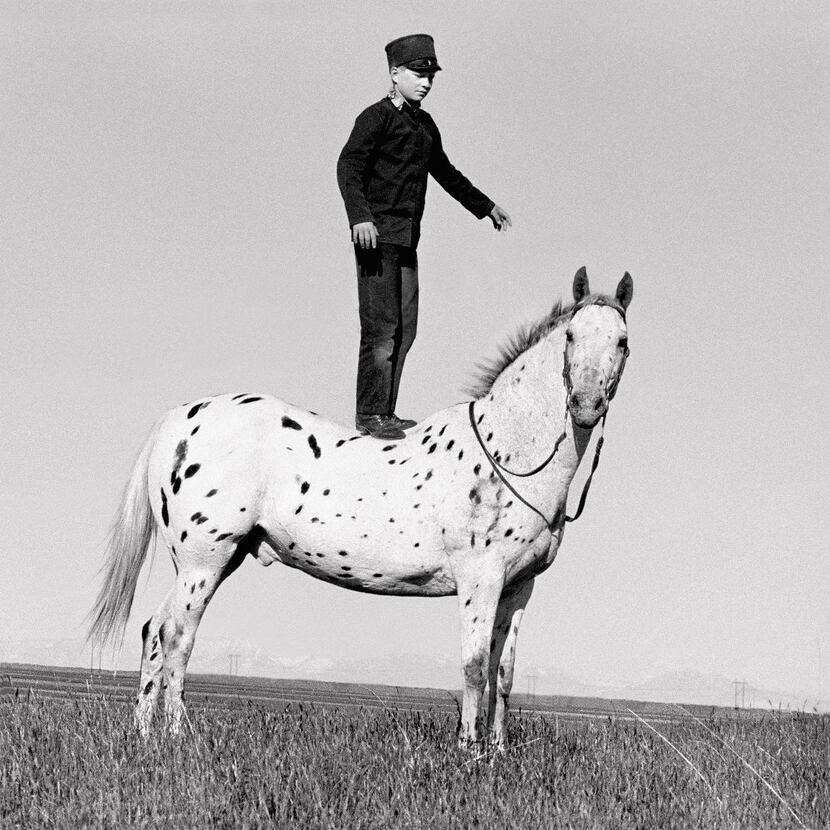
x: 525, y: 410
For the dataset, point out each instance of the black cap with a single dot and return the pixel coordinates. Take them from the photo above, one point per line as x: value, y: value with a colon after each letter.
x: 413, y: 51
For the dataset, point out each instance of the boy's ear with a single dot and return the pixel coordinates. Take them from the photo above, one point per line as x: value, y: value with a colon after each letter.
x: 581, y: 288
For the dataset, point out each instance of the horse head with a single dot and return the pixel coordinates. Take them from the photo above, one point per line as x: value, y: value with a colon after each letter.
x: 596, y: 346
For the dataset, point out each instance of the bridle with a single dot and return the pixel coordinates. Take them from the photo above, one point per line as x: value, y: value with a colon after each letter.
x: 499, y: 469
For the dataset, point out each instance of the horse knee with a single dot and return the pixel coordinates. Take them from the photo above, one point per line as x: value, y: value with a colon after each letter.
x: 475, y: 672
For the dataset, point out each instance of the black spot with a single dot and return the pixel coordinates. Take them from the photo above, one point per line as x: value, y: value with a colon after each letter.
x: 290, y: 423
x: 477, y: 469
x: 195, y: 517
x: 472, y: 540
x: 474, y: 496
x: 345, y: 567
x: 377, y: 576
x: 428, y: 476
x: 475, y: 619
x: 222, y: 536
x: 314, y: 519
x: 202, y: 520
x: 249, y: 400
x: 388, y: 447
x: 304, y: 487
x: 391, y: 461
x: 461, y: 455
x: 192, y: 470
x: 326, y: 491
x: 202, y: 584
x: 450, y: 443
x: 187, y: 607
x: 298, y: 510
x: 177, y: 482
x: 321, y: 555
x: 292, y: 546
x: 342, y: 553
x: 242, y: 509
x: 148, y: 687
x: 416, y: 506
x: 315, y: 447
x: 165, y: 516
x: 417, y: 545
x: 425, y: 439
x: 184, y: 535
x: 391, y: 520
x: 508, y: 532
x: 442, y: 430
x: 194, y: 430
x: 486, y: 543
x: 340, y: 442
x: 432, y: 448
x: 418, y: 487
x: 489, y: 436
x: 237, y: 397
x: 194, y: 409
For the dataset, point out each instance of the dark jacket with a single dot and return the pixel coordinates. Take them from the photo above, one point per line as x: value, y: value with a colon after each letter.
x: 382, y: 172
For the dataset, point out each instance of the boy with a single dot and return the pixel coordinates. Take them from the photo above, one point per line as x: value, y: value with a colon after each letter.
x: 382, y: 174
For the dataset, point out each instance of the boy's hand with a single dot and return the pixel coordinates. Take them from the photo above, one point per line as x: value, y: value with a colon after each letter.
x: 365, y: 235
x: 500, y: 218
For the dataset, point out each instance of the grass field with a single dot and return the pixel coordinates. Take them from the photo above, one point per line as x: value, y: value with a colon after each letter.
x: 78, y: 763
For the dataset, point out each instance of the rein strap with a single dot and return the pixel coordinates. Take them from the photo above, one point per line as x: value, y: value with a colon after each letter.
x: 497, y: 469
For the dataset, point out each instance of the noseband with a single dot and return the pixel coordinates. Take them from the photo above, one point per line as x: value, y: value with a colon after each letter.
x: 499, y: 468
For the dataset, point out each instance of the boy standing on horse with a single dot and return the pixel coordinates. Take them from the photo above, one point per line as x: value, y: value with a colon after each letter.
x: 382, y: 174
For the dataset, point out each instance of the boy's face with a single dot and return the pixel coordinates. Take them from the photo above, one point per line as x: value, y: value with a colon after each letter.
x: 413, y: 85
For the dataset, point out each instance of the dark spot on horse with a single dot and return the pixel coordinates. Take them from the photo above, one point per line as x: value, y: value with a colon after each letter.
x: 177, y: 482
x: 298, y: 510
x: 342, y: 553
x: 492, y: 645
x: 377, y: 576
x: 346, y: 576
x: 212, y: 493
x: 290, y: 423
x: 315, y: 519
x: 391, y: 520
x: 315, y: 447
x: 223, y: 536
x: 419, y: 486
x: 467, y: 603
x: 442, y: 430
x: 326, y: 491
x: 154, y: 655
x: 192, y: 470
x: 195, y: 517
x: 416, y: 506
x: 509, y: 503
x: 388, y: 447
x: 477, y: 469
x: 321, y: 555
x: 425, y: 439
x: 242, y: 509
x: 391, y: 461
x: 417, y: 545
x: 450, y: 443
x: 428, y: 476
x: 489, y: 436
x: 508, y: 532
x: 474, y: 496
x: 165, y: 516
x: 250, y: 400
x: 480, y: 418
x: 194, y: 409
x: 345, y: 567
x: 486, y: 543
x: 148, y: 687
x: 194, y: 430
x: 431, y: 449
x: 475, y: 619
x: 201, y: 585
x: 237, y: 397
x: 202, y: 520
x: 340, y: 442
x: 472, y: 540
x: 304, y: 487
x: 187, y: 607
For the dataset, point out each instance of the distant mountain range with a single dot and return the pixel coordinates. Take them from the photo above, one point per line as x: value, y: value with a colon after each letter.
x: 440, y: 672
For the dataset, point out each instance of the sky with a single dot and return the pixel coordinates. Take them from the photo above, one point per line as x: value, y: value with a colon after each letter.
x: 171, y: 227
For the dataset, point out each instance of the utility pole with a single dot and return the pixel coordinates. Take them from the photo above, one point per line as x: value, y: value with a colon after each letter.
x: 742, y: 684
x: 234, y: 664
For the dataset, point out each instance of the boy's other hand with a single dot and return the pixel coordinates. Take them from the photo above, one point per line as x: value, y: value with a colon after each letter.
x: 500, y: 218
x: 365, y: 235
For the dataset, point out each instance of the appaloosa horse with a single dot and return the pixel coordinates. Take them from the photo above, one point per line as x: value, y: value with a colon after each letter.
x: 472, y: 502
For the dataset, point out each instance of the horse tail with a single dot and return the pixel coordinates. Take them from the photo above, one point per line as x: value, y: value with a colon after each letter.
x: 129, y: 540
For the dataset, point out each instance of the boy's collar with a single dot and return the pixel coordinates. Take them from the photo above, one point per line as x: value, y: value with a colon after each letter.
x: 399, y: 101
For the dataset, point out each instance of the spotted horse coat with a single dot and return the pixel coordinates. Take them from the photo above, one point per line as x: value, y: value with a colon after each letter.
x: 248, y: 475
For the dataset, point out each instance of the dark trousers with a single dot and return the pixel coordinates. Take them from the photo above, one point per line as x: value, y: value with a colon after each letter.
x: 387, y: 292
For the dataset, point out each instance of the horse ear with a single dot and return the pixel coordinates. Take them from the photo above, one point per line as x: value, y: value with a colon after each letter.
x: 625, y: 290
x: 581, y: 288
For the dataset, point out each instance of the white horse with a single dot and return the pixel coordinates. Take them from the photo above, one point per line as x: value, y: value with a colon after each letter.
x: 440, y: 512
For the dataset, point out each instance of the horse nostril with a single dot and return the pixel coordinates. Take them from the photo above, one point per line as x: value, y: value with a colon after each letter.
x: 598, y: 405
x: 575, y: 399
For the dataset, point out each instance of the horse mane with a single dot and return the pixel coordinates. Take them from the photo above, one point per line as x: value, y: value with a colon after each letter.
x: 526, y: 337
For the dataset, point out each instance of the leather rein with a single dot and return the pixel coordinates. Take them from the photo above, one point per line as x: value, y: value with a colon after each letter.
x: 499, y: 469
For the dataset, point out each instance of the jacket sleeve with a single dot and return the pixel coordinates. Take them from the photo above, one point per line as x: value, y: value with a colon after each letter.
x: 454, y: 182
x: 355, y: 161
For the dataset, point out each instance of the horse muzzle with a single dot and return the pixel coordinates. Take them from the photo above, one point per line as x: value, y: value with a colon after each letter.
x: 587, y: 408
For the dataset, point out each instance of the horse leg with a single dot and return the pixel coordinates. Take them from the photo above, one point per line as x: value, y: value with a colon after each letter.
x: 478, y: 603
x: 505, y: 632
x: 194, y: 589
x: 151, y: 668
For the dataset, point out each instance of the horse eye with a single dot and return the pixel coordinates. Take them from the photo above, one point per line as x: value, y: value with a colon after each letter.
x: 623, y: 343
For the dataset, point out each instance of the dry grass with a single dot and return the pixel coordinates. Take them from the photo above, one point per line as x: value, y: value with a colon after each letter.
x: 77, y: 763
